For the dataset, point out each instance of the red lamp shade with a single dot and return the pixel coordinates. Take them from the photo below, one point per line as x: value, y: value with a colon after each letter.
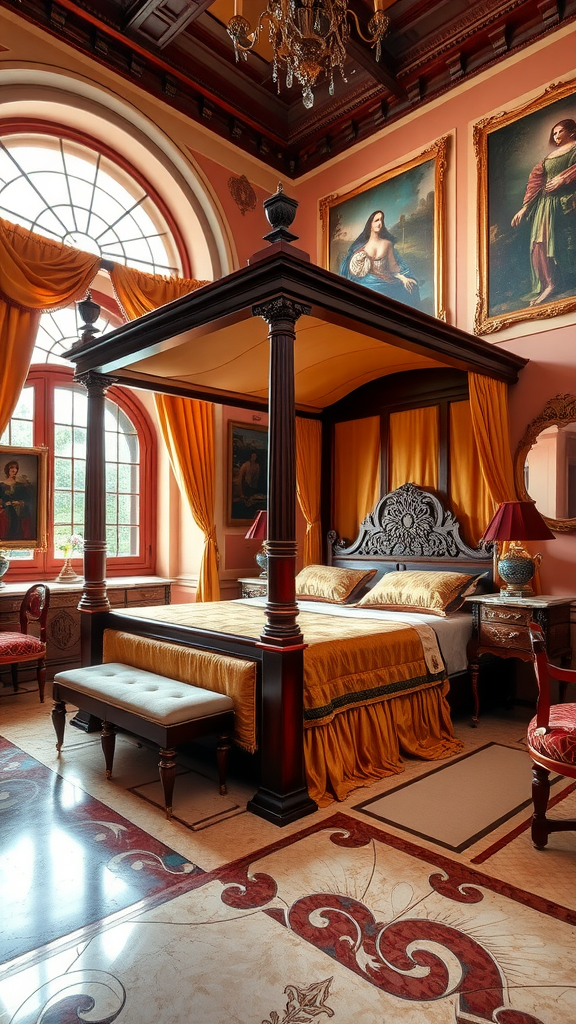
x: 517, y: 520
x: 259, y: 528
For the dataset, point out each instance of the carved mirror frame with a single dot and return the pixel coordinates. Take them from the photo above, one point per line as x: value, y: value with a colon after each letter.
x: 559, y: 411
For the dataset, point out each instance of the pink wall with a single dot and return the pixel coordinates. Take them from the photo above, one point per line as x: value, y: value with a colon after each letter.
x: 551, y: 349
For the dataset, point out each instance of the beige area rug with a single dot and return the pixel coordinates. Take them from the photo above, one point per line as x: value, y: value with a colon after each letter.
x: 457, y: 804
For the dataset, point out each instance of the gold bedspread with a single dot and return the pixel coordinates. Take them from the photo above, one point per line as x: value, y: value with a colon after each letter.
x: 353, y: 731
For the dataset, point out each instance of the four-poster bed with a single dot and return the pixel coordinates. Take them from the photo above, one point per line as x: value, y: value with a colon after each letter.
x: 324, y: 337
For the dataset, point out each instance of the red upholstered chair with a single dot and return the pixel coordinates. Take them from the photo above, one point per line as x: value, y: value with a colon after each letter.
x: 551, y: 741
x: 16, y: 648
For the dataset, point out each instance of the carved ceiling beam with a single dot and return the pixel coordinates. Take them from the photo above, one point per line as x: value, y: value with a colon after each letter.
x: 160, y: 21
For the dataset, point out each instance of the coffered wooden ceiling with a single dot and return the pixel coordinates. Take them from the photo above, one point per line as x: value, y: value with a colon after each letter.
x: 179, y: 50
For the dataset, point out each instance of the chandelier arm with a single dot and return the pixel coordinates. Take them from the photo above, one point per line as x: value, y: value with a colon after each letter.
x: 367, y: 39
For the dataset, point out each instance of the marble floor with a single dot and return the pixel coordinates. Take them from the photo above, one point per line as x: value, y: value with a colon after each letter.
x: 336, y: 916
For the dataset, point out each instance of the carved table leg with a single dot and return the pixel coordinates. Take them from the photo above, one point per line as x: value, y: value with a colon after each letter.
x: 108, y: 741
x: 59, y: 722
x: 167, y: 769
x: 540, y: 797
x: 222, y: 752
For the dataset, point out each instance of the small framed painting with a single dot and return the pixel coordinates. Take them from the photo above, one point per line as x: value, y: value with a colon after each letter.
x: 247, y: 472
x: 23, y: 497
x: 527, y: 211
x: 389, y: 233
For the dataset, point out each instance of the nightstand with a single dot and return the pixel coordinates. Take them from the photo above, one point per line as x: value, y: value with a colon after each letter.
x: 500, y: 627
x: 253, y: 586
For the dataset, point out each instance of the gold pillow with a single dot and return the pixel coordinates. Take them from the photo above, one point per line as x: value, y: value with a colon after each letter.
x: 328, y: 583
x: 436, y: 593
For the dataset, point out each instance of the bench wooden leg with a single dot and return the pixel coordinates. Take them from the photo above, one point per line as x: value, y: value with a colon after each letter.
x: 14, y: 674
x: 540, y: 797
x: 222, y: 752
x: 167, y: 769
x: 108, y: 741
x: 59, y: 722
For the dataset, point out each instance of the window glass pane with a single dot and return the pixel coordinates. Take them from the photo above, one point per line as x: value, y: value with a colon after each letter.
x: 111, y: 447
x: 111, y: 541
x: 62, y: 473
x: 79, y: 513
x: 124, y: 508
x: 124, y: 477
x: 79, y: 475
x: 112, y: 476
x: 80, y: 408
x: 25, y: 405
x: 22, y: 433
x: 63, y: 507
x: 127, y: 448
x: 124, y: 541
x: 62, y: 440
x: 79, y: 442
x: 62, y: 405
x: 111, y: 508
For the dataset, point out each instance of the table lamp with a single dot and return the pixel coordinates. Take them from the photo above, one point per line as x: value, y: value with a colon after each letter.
x: 259, y: 531
x: 516, y: 521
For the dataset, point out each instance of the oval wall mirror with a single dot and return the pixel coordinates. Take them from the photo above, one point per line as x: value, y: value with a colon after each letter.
x: 545, y: 463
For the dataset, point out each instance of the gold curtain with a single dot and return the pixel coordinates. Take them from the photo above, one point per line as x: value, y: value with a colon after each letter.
x: 187, y: 426
x: 308, y: 467
x: 35, y: 275
x: 489, y: 411
x: 356, y: 473
x: 414, y: 447
x: 188, y: 430
x: 469, y: 496
x: 138, y: 292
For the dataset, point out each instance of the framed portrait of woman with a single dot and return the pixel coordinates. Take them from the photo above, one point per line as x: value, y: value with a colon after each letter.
x: 247, y: 472
x: 388, y: 234
x: 527, y: 211
x: 23, y: 496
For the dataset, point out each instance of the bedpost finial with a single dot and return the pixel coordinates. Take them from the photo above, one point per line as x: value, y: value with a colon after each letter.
x: 280, y: 211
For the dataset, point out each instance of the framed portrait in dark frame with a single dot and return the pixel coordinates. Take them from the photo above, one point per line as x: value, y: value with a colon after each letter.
x: 23, y: 497
x: 247, y: 472
x: 388, y: 234
x: 527, y: 211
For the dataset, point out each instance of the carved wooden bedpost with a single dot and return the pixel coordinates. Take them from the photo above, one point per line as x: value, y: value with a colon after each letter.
x: 94, y: 596
x: 285, y: 797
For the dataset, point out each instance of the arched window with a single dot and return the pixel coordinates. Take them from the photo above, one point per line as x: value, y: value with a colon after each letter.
x: 51, y: 412
x: 67, y: 187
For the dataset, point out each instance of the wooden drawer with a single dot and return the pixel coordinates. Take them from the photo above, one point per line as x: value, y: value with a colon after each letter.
x: 513, y: 616
x: 513, y: 636
x: 146, y: 595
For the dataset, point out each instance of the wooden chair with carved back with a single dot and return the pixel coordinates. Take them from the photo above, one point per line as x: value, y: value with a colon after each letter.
x: 17, y: 648
x: 551, y: 741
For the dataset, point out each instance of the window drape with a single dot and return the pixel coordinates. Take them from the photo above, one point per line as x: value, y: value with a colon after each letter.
x: 414, y: 447
x: 469, y: 496
x: 308, y: 473
x: 356, y: 473
x: 489, y: 411
x: 187, y: 425
x: 35, y: 275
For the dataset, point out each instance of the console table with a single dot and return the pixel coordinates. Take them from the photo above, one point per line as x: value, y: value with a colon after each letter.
x: 500, y: 627
x: 63, y: 626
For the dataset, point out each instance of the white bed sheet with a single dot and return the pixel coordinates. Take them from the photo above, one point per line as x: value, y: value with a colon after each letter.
x: 453, y: 632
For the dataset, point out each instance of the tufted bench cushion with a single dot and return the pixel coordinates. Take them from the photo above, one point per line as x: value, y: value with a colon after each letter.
x: 151, y: 696
x: 166, y: 711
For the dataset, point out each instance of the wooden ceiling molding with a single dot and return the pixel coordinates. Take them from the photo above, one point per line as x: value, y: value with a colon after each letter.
x: 179, y: 50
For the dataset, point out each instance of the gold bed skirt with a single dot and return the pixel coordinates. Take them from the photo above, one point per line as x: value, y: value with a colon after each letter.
x: 361, y: 745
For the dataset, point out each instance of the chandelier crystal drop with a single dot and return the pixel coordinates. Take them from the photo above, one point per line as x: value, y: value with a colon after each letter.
x: 308, y: 37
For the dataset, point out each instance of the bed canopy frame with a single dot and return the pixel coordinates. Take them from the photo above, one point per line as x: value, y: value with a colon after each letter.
x: 167, y: 351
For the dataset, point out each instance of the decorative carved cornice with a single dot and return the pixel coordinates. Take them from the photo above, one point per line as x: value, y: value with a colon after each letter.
x: 281, y: 309
x: 94, y: 381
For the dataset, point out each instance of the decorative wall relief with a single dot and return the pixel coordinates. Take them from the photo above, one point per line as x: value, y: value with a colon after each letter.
x: 242, y: 193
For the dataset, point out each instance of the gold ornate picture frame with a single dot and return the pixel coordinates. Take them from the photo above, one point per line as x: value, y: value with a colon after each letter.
x: 402, y: 254
x: 247, y: 475
x: 23, y: 497
x: 527, y: 211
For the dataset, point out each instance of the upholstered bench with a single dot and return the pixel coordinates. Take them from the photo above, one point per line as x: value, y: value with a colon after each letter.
x: 162, y: 710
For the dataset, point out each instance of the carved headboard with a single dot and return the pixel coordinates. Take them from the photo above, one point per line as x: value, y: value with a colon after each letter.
x: 410, y: 529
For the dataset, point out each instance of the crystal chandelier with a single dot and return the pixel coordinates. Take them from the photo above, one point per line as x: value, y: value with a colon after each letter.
x: 308, y: 37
